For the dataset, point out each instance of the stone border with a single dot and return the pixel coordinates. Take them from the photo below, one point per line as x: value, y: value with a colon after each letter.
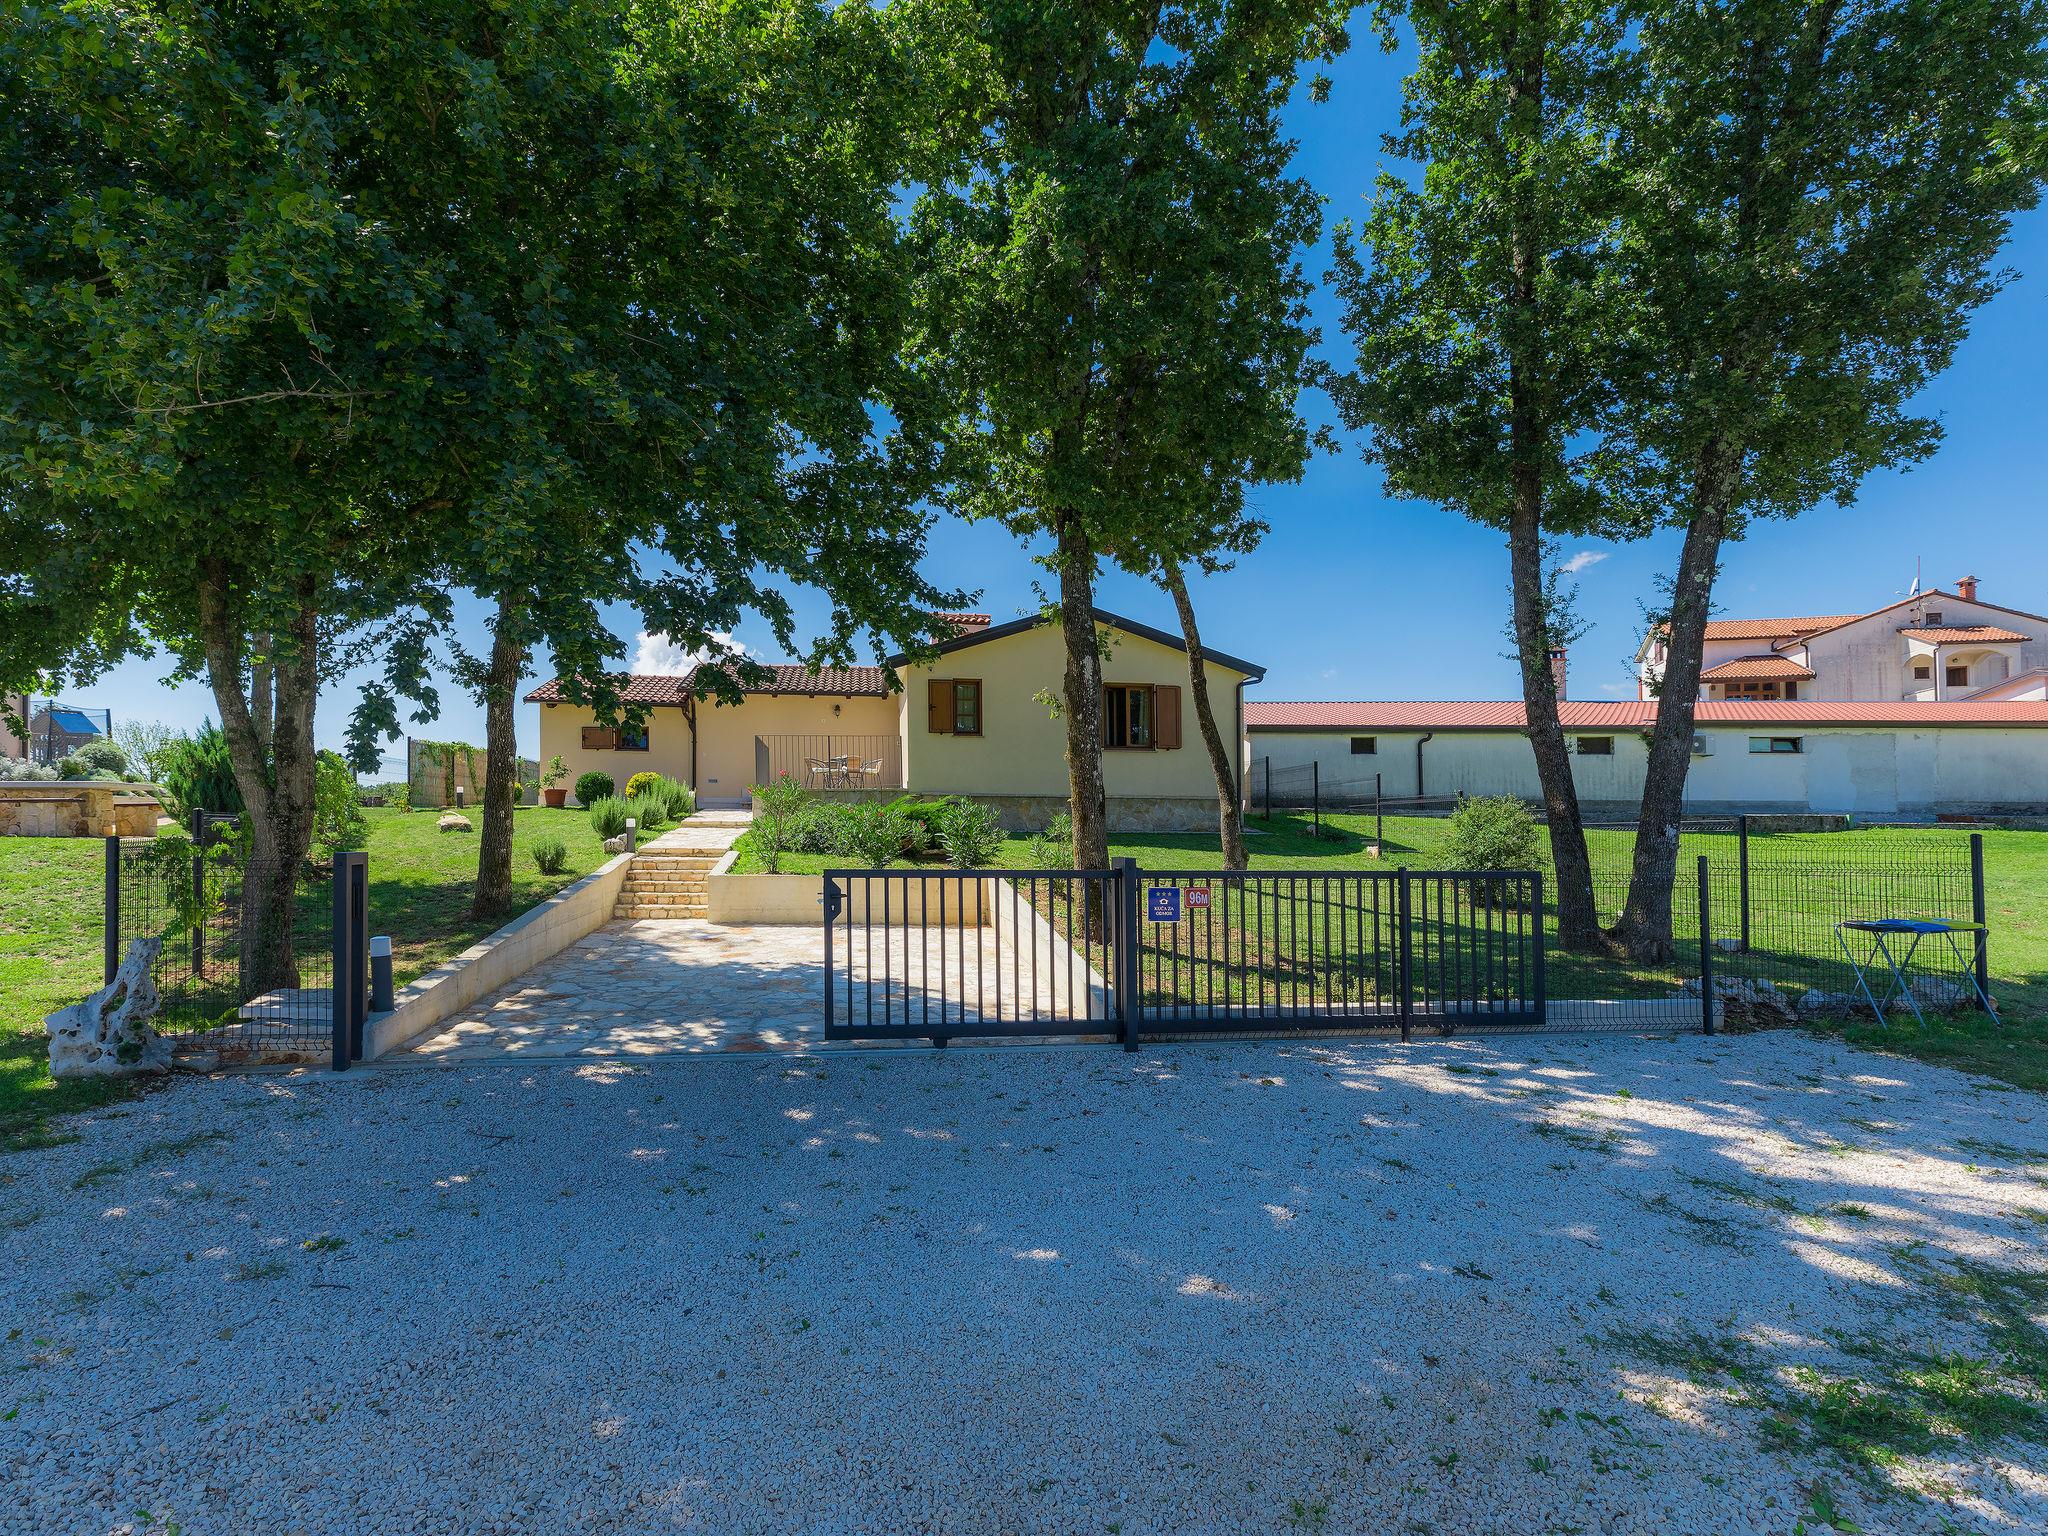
x: 570, y: 914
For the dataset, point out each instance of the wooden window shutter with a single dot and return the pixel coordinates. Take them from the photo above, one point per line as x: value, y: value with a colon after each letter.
x: 1166, y: 716
x: 938, y: 712
x: 599, y: 738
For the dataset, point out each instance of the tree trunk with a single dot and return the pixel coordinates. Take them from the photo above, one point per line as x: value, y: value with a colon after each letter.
x: 277, y: 792
x: 1644, y: 931
x: 501, y: 766
x: 1229, y: 809
x: 262, y: 691
x: 1082, y: 706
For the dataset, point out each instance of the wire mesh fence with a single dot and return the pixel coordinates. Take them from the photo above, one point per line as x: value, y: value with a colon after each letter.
x: 190, y: 896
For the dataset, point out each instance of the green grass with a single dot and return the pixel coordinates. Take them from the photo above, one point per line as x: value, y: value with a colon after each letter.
x: 421, y: 882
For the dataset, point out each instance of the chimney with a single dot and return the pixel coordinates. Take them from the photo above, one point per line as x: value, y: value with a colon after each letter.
x: 1966, y: 588
x: 1557, y: 669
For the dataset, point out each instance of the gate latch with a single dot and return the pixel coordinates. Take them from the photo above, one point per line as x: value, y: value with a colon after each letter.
x: 832, y: 901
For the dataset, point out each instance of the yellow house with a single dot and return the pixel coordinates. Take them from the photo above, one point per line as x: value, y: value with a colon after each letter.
x: 976, y: 720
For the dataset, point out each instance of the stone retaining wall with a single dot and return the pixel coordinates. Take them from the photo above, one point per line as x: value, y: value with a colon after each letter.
x: 78, y: 808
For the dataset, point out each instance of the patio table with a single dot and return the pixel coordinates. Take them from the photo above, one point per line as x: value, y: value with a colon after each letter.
x: 1914, y: 929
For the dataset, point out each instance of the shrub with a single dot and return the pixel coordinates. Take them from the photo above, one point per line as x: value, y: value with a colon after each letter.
x: 815, y: 829
x: 199, y: 775
x: 647, y: 811
x: 871, y: 833
x: 103, y: 756
x: 1494, y: 832
x: 338, y: 823
x: 399, y: 797
x: 608, y: 813
x: 970, y: 834
x: 21, y: 768
x: 777, y: 807
x: 640, y: 784
x: 551, y: 855
x: 554, y: 773
x: 75, y: 767
x: 592, y: 787
x: 677, y: 798
x: 1053, y: 848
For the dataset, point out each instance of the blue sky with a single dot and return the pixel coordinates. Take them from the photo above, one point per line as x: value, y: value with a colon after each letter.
x: 1355, y: 595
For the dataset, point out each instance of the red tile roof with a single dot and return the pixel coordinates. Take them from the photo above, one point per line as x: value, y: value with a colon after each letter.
x: 1775, y: 629
x: 1742, y: 668
x: 1966, y: 634
x: 851, y: 682
x: 964, y: 621
x: 634, y: 688
x: 667, y: 688
x: 1631, y: 714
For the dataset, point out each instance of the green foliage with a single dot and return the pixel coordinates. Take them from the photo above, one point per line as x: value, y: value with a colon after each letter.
x: 102, y: 756
x: 640, y: 783
x: 167, y: 861
x: 592, y: 787
x: 970, y: 833
x: 338, y: 824
x: 22, y: 769
x: 675, y: 798
x: 146, y: 742
x: 447, y: 755
x: 551, y: 855
x: 1495, y: 832
x: 74, y: 767
x: 555, y: 771
x: 871, y: 833
x: 199, y: 775
x: 398, y: 797
x: 649, y: 812
x: 608, y: 815
x: 1053, y: 848
x: 779, y: 808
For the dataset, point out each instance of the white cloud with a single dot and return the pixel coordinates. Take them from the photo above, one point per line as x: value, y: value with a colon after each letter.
x: 1581, y: 560
x: 655, y: 655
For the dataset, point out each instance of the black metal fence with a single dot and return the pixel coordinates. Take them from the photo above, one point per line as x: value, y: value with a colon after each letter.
x: 189, y: 895
x: 1123, y: 953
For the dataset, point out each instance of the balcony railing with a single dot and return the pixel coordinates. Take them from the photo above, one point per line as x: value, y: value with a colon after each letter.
x: 831, y: 761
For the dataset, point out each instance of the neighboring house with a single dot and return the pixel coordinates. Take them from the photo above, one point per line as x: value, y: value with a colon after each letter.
x: 56, y: 729
x: 1900, y: 758
x: 1930, y: 647
x: 974, y: 721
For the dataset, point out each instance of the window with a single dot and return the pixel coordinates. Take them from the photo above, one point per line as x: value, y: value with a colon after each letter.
x: 1957, y: 677
x: 1141, y: 715
x: 633, y: 738
x: 1923, y: 671
x: 1775, y: 744
x: 1934, y: 615
x: 599, y: 738
x: 953, y: 707
x: 1596, y: 746
x: 1364, y: 746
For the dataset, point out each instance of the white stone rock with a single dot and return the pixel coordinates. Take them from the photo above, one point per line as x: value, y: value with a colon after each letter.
x: 454, y: 823
x: 109, y: 1034
x: 615, y: 844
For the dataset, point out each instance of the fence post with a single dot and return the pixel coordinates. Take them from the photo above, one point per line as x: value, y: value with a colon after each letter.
x: 1742, y: 864
x: 1315, y: 796
x: 346, y: 992
x: 1406, y: 963
x: 359, y: 949
x: 1542, y: 981
x: 111, y: 947
x: 1269, y: 787
x: 1127, y: 951
x: 1379, y: 822
x: 1978, y: 911
x: 1706, y: 955
x: 198, y: 891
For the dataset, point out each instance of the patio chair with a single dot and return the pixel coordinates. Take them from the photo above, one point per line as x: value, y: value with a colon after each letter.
x: 817, y: 773
x: 869, y: 774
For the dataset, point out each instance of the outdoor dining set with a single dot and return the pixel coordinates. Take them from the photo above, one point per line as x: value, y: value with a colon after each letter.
x: 842, y: 772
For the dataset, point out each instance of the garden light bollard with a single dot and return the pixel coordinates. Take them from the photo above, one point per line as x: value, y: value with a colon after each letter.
x: 459, y: 796
x: 632, y: 834
x: 111, y: 943
x: 380, y: 973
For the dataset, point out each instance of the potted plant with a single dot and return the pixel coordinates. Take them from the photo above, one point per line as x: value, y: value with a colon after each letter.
x: 551, y: 778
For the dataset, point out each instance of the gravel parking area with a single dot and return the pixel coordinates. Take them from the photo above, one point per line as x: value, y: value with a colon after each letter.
x: 1535, y: 1285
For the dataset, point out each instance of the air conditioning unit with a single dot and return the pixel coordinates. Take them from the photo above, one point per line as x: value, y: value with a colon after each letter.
x: 1699, y: 745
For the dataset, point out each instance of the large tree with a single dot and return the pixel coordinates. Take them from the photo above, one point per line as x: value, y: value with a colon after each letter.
x: 1482, y: 298
x: 1817, y: 195
x: 1107, y: 302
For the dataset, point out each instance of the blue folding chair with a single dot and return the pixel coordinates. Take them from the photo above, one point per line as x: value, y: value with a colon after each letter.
x: 1917, y: 929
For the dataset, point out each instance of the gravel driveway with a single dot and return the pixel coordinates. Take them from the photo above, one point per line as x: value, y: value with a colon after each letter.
x: 1540, y: 1285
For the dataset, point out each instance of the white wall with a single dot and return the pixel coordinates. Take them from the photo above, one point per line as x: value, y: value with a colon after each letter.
x: 1869, y: 771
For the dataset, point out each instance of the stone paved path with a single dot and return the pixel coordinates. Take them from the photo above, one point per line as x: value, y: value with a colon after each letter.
x: 652, y: 986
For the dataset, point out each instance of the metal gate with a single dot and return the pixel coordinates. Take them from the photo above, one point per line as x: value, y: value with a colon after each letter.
x: 1123, y: 953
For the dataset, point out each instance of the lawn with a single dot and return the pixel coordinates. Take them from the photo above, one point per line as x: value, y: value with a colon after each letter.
x: 421, y: 880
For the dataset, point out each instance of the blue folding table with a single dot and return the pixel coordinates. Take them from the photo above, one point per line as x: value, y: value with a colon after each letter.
x: 1916, y: 929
